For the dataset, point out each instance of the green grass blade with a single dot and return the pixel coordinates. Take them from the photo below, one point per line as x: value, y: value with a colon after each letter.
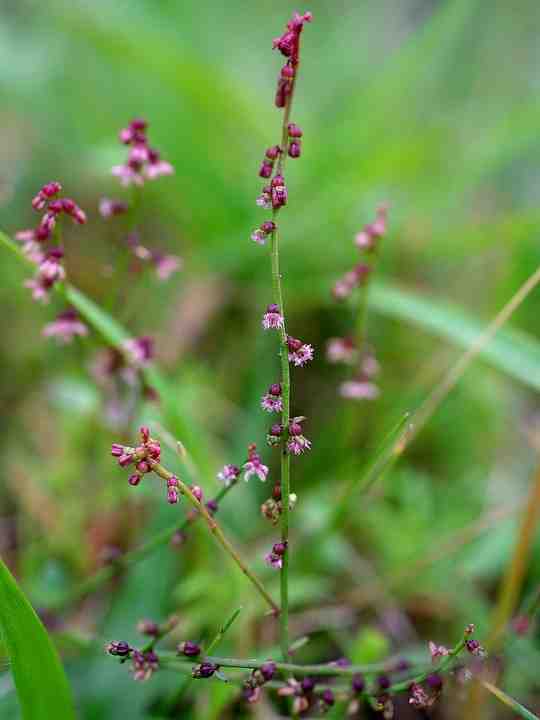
x: 520, y: 711
x: 384, y: 458
x: 511, y: 351
x: 41, y: 683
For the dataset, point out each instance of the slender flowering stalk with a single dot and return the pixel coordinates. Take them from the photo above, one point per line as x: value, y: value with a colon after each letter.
x: 145, y: 457
x: 275, y: 195
x: 373, y: 684
x: 353, y: 351
x: 132, y: 557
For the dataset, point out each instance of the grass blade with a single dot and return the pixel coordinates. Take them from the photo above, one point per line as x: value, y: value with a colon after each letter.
x: 513, y: 352
x: 39, y: 677
x: 520, y: 711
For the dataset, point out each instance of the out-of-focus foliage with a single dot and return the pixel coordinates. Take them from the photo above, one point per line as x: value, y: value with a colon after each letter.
x: 430, y: 106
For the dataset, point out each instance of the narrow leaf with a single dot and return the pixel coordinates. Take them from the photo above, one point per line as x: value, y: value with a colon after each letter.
x: 512, y: 351
x: 42, y: 686
x: 510, y: 702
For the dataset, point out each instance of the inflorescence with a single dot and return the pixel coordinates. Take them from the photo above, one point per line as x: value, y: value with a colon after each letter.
x: 353, y: 350
x: 372, y: 687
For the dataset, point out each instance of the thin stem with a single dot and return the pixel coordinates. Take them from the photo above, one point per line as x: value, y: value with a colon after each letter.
x: 222, y: 630
x: 285, y: 389
x: 513, y: 580
x: 285, y: 458
x: 325, y: 670
x: 217, y: 533
x: 439, y: 393
x: 384, y: 458
x: 101, y: 576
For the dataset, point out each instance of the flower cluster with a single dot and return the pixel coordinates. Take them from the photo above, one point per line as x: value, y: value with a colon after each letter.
x: 300, y: 353
x: 65, y: 327
x: 368, y: 237
x: 229, y: 474
x: 254, y: 465
x: 361, y: 385
x: 288, y: 45
x: 144, y: 456
x: 272, y: 508
x: 143, y: 162
x: 356, y: 277
x: 306, y: 697
x: 252, y: 686
x: 47, y: 257
x: 139, y: 351
x: 274, y: 558
x: 272, y: 318
x: 347, y: 350
x: 164, y: 264
x: 144, y: 663
x: 297, y: 442
x: 271, y: 401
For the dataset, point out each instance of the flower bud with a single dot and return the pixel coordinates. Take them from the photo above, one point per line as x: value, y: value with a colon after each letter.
x: 189, y: 649
x: 294, y: 131
x: 294, y: 149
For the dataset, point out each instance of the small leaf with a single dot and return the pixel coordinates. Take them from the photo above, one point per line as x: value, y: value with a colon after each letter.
x: 42, y: 686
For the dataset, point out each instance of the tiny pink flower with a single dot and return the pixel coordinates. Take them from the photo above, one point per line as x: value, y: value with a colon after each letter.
x: 369, y: 365
x: 297, y: 444
x: 166, y: 265
x: 109, y: 208
x: 144, y: 664
x: 272, y: 318
x: 265, y: 198
x: 299, y: 352
x: 273, y: 560
x: 66, y: 326
x: 254, y: 465
x: 140, y: 350
x: 261, y: 234
x: 366, y: 239
x: 272, y: 402
x: 341, y: 350
x: 32, y: 249
x: 437, y: 651
x: 228, y: 474
x: 40, y: 292
x: 278, y: 192
x: 127, y: 175
x: 47, y: 192
x: 158, y: 169
x: 172, y: 490
x: 359, y: 390
x: 275, y: 557
x: 474, y: 647
x: 418, y: 697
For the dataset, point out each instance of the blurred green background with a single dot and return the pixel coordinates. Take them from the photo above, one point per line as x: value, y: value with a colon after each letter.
x: 430, y: 106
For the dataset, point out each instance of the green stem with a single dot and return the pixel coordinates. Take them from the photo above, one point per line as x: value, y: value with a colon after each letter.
x: 324, y: 670
x: 222, y: 630
x: 285, y: 391
x: 217, y: 533
x: 285, y: 457
x: 101, y: 576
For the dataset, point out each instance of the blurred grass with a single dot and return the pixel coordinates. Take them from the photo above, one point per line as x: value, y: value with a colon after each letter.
x: 431, y: 106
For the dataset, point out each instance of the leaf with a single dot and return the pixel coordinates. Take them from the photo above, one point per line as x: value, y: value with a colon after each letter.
x: 511, y: 351
x: 42, y: 686
x: 510, y: 702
